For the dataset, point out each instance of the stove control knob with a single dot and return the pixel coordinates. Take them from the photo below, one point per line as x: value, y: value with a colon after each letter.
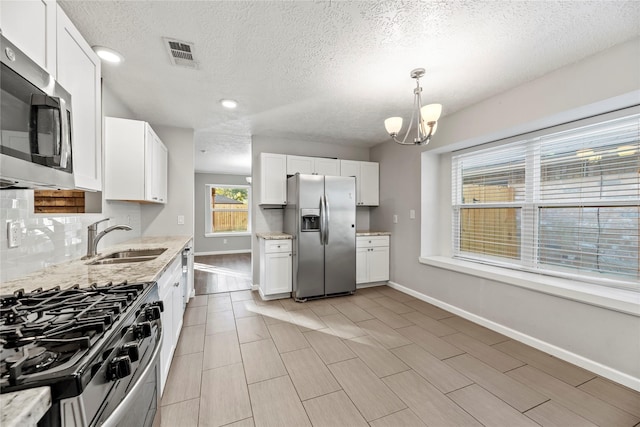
x: 119, y: 367
x: 142, y: 330
x: 132, y: 350
x: 152, y: 313
x: 158, y: 304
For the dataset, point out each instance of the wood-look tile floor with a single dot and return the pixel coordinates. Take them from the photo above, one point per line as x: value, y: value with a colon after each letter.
x: 222, y: 273
x: 377, y: 358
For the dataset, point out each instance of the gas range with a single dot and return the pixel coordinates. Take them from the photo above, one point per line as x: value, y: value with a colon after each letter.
x: 96, y: 347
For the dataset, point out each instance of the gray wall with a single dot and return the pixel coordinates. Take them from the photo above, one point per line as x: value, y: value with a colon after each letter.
x: 600, y: 339
x: 162, y: 220
x: 211, y: 245
x: 268, y: 219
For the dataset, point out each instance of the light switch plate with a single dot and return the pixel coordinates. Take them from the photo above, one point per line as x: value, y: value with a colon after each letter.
x: 180, y: 219
x: 412, y: 214
x: 395, y: 219
x: 13, y: 234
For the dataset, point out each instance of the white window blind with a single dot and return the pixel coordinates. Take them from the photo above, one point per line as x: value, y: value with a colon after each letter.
x: 565, y: 203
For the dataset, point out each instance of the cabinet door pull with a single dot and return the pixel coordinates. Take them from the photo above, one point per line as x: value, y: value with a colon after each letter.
x: 176, y: 284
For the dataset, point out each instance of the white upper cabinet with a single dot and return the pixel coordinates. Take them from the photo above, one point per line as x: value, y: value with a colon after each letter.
x: 312, y: 165
x: 78, y: 71
x: 273, y: 179
x: 31, y: 26
x: 367, y: 180
x: 135, y: 162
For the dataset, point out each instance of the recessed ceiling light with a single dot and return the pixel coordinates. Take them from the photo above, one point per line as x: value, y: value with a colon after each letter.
x: 107, y: 54
x: 229, y: 103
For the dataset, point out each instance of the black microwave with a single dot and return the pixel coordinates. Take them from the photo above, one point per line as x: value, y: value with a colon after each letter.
x: 35, y: 125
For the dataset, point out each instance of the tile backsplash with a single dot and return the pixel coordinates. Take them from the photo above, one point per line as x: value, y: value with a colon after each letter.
x: 48, y: 239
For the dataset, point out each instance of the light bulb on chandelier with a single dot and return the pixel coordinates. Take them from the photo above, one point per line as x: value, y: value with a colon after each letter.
x: 427, y: 122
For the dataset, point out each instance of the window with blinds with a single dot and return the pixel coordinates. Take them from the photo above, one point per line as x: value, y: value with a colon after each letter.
x: 565, y: 203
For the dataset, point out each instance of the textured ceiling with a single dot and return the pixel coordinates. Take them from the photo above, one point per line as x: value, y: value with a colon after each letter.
x: 332, y: 71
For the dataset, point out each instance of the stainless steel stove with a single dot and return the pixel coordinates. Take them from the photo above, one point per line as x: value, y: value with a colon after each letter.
x: 96, y: 347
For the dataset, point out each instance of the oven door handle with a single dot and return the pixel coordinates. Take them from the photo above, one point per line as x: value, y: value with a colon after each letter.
x: 124, y: 406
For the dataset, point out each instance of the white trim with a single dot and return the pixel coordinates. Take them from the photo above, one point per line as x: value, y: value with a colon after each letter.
x: 232, y: 234
x: 568, y: 356
x: 236, y: 251
x: 370, y: 284
x: 622, y: 300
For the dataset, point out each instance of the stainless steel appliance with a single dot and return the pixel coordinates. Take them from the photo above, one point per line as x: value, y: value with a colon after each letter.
x: 97, y: 349
x: 321, y: 215
x: 35, y: 125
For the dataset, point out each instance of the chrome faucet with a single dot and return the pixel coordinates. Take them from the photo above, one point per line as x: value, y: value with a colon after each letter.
x: 93, y: 238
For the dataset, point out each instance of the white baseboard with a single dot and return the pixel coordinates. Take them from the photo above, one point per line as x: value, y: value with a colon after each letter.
x: 237, y: 251
x: 255, y: 287
x: 370, y: 285
x: 568, y: 356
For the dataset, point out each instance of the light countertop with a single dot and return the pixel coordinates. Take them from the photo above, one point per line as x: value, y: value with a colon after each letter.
x: 78, y: 272
x: 24, y: 408
x: 372, y: 233
x: 271, y: 235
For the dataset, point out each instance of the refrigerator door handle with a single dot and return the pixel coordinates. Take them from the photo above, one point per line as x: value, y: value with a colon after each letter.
x: 322, y: 220
x: 326, y: 221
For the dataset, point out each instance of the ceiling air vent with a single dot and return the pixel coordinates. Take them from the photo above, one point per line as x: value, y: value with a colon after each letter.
x: 181, y: 53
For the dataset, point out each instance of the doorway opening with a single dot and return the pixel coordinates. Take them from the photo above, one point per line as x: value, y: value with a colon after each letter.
x: 222, y: 273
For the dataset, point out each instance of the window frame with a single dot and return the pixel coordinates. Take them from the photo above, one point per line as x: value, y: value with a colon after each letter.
x: 531, y: 207
x: 209, y: 211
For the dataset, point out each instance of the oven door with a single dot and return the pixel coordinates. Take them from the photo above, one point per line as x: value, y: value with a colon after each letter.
x: 140, y: 405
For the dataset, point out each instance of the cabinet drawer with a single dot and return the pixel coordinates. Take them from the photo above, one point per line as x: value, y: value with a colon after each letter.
x: 372, y: 241
x: 275, y: 246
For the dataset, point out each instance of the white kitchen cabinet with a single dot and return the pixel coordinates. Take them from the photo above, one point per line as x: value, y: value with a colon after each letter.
x: 135, y: 162
x: 156, y: 163
x: 170, y: 290
x: 78, y: 71
x: 367, y: 176
x: 273, y: 179
x: 372, y: 259
x: 31, y: 26
x: 312, y: 165
x: 275, y: 268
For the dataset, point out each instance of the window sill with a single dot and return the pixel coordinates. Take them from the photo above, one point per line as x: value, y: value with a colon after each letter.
x: 622, y: 300
x: 238, y: 234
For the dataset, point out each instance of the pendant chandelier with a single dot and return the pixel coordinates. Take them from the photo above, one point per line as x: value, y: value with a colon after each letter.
x: 427, y: 121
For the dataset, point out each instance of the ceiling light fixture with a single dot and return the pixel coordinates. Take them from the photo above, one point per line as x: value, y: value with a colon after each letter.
x: 108, y: 54
x: 229, y: 103
x: 428, y: 116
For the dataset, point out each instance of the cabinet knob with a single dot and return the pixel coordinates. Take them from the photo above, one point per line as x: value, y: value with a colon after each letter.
x: 176, y: 284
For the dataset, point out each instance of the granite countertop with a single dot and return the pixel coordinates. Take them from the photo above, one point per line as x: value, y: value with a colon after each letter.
x: 372, y: 233
x: 271, y: 235
x: 78, y: 272
x: 24, y: 408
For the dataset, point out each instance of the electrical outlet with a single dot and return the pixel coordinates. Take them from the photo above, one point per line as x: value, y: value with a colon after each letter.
x: 395, y: 219
x: 180, y: 219
x: 224, y: 241
x: 13, y: 234
x: 412, y: 214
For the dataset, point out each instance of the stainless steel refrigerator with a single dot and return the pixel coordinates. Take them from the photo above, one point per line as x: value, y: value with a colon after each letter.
x: 321, y: 215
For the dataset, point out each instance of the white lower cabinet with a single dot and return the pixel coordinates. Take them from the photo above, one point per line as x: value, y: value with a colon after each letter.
x: 372, y: 259
x: 275, y: 268
x: 171, y: 292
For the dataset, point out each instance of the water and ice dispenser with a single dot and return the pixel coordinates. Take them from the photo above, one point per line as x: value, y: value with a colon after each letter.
x: 310, y: 220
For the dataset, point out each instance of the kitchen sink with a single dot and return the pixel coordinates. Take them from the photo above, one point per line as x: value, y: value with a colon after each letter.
x: 133, y: 255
